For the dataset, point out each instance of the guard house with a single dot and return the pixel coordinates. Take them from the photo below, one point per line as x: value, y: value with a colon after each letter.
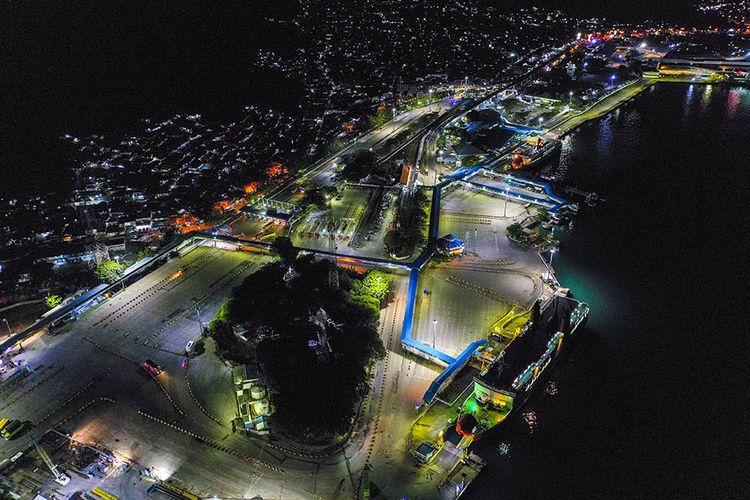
x: 450, y: 245
x: 519, y: 365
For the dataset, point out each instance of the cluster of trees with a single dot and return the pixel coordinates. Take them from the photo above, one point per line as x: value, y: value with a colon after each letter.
x: 53, y: 301
x: 370, y: 291
x: 363, y: 163
x: 515, y: 232
x: 410, y: 230
x: 109, y: 271
x: 318, y: 197
x: 381, y: 117
x: 471, y: 161
x: 314, y: 399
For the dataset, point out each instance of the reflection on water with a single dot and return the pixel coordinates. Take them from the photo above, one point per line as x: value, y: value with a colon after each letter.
x: 657, y: 263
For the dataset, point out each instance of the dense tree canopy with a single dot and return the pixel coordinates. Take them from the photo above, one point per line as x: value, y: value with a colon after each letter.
x: 410, y: 231
x: 314, y: 397
x: 109, y: 271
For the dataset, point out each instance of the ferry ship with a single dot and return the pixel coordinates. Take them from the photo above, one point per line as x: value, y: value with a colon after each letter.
x: 444, y: 432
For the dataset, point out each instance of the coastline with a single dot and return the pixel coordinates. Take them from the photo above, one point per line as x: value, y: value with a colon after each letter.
x: 600, y: 108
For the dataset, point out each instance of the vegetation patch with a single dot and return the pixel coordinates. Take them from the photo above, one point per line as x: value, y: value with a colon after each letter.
x: 313, y: 342
x: 410, y: 230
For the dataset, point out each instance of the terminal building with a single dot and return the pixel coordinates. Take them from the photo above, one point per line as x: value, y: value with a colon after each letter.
x: 450, y: 245
x: 704, y: 65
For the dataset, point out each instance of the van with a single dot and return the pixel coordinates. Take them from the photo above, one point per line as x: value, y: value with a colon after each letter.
x: 189, y: 346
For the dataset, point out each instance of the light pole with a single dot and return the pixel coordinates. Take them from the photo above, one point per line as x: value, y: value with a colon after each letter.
x: 551, y: 256
x: 434, y: 327
x: 119, y: 272
x: 505, y: 208
x: 200, y: 321
x: 570, y: 98
x: 8, y: 325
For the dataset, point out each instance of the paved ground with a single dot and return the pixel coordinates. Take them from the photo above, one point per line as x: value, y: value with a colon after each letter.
x: 180, y: 426
x: 256, y: 229
x: 466, y: 295
x: 100, y: 354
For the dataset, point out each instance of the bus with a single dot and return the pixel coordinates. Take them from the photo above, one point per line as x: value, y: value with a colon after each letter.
x: 103, y: 494
x: 11, y: 429
x: 152, y: 367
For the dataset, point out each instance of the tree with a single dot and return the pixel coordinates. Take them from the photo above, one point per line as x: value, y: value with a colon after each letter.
x: 515, y: 231
x: 410, y: 232
x: 380, y: 117
x: 541, y: 215
x: 360, y: 165
x: 316, y: 197
x: 313, y: 399
x: 471, y: 161
x: 41, y: 272
x: 53, y: 301
x: 144, y: 252
x: 285, y: 249
x: 336, y: 145
x: 109, y: 271
x: 375, y: 285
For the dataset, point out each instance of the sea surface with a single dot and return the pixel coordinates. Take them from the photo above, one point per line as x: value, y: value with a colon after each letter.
x: 652, y: 401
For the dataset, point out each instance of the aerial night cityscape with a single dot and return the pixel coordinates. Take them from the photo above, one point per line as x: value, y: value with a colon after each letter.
x: 374, y: 249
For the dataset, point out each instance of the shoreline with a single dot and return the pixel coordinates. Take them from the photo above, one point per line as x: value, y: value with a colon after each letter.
x: 602, y: 107
x: 612, y: 101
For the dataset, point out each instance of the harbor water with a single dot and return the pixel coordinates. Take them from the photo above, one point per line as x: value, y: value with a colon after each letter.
x: 651, y: 402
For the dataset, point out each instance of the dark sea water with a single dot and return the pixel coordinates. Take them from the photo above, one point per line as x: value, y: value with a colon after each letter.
x: 653, y: 400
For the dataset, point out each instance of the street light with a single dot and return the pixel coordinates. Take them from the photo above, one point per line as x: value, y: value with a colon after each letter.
x: 505, y: 209
x: 8, y: 325
x: 122, y: 280
x: 434, y: 327
x: 200, y: 321
x: 570, y: 97
x: 551, y: 256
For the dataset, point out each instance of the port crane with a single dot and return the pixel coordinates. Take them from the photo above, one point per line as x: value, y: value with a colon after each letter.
x: 60, y: 477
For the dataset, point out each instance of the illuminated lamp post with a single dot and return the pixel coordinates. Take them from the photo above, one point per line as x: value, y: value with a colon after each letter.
x: 198, y: 312
x: 8, y: 325
x: 551, y: 256
x: 434, y: 327
x: 122, y: 280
